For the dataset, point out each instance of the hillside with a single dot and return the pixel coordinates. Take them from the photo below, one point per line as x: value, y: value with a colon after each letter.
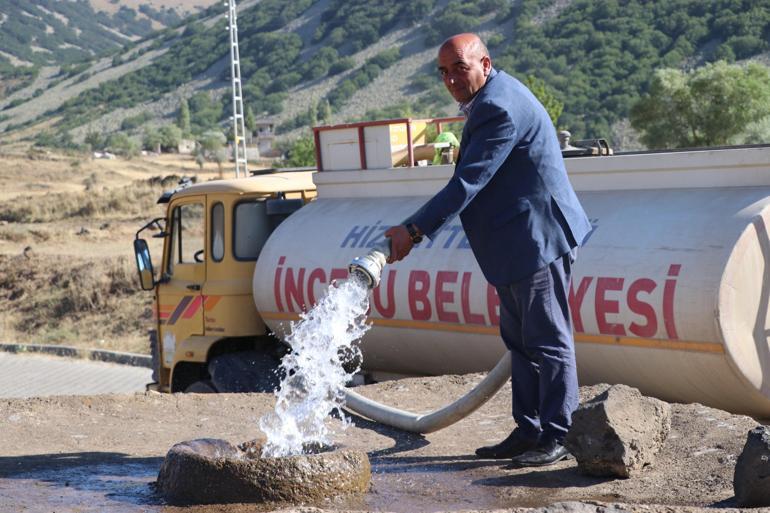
x: 375, y: 58
x: 68, y: 34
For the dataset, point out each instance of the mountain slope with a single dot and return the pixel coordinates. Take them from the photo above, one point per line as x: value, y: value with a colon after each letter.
x: 596, y: 56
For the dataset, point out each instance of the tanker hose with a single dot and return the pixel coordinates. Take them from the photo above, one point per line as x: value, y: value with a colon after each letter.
x: 439, y: 419
x: 369, y: 267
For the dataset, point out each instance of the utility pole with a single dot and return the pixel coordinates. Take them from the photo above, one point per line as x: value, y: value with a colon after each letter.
x: 239, y: 130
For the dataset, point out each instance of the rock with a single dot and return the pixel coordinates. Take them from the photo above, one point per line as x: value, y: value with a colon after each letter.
x: 210, y: 471
x: 751, y: 480
x: 618, y: 432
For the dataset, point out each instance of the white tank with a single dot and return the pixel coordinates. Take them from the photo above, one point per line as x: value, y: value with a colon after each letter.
x: 670, y: 293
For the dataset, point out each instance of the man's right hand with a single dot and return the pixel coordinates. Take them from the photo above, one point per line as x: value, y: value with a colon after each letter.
x: 400, y: 243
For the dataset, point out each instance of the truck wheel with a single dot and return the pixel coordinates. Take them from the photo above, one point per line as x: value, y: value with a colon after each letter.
x: 204, y: 386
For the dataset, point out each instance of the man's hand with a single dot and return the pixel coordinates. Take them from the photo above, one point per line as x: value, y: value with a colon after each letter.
x: 400, y: 243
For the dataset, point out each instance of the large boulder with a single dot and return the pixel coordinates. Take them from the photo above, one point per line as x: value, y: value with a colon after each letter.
x: 751, y: 480
x: 211, y: 471
x: 618, y: 432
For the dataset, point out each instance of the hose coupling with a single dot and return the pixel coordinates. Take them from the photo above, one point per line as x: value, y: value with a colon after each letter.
x: 368, y: 268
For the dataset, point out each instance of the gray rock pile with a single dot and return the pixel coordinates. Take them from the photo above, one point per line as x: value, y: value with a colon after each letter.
x: 618, y: 432
x: 211, y: 471
x: 751, y: 481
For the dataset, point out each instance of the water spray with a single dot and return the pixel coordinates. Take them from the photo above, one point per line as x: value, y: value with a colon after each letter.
x: 368, y: 269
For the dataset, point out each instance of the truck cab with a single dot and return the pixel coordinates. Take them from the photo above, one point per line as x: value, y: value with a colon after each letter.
x: 212, y: 235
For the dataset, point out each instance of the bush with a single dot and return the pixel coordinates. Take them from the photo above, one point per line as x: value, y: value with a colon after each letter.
x: 136, y: 121
x: 341, y: 65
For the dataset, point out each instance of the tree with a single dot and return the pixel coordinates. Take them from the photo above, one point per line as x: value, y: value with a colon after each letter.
x: 183, y: 119
x: 94, y: 140
x: 301, y: 153
x: 705, y: 107
x: 170, y: 136
x: 326, y: 112
x: 152, y: 140
x: 212, y: 143
x: 552, y: 105
x: 312, y: 114
x: 250, y: 121
x: 122, y: 144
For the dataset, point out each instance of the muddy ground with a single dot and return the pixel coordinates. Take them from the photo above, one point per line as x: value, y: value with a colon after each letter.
x: 102, y: 453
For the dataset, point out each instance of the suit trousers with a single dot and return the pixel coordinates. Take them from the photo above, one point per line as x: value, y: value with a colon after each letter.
x: 536, y: 327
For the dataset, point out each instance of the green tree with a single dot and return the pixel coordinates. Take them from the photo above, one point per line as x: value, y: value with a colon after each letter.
x: 706, y: 107
x: 183, y: 119
x: 94, y: 140
x: 552, y: 105
x: 250, y: 121
x: 300, y: 153
x: 312, y: 113
x: 326, y: 112
x: 122, y: 144
x: 152, y: 140
x: 170, y: 136
x: 212, y: 143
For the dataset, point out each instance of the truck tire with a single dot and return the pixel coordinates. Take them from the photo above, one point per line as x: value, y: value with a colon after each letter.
x: 204, y: 386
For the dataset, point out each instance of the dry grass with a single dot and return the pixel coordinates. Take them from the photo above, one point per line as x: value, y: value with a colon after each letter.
x: 67, y: 274
x: 48, y: 299
x: 95, y: 203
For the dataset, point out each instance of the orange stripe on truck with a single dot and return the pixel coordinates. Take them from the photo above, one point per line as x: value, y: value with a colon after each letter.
x: 652, y: 343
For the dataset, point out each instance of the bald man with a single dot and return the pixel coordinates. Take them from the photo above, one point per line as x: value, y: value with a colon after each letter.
x: 524, y: 223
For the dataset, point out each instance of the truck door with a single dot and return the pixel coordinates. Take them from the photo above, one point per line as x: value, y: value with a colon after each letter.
x: 180, y: 298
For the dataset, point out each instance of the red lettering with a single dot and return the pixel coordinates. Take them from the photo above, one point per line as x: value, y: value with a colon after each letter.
x: 293, y: 288
x: 389, y: 311
x: 576, y: 301
x: 642, y: 308
x: 465, y: 301
x: 277, y: 283
x: 493, y: 305
x: 316, y: 274
x: 444, y: 296
x: 668, y: 302
x: 419, y: 304
x: 605, y: 306
x: 338, y: 273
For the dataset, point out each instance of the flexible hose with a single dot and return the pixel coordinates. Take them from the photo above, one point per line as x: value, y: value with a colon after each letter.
x: 439, y: 419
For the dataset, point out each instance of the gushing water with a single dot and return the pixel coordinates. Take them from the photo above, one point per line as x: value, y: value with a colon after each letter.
x: 314, y: 377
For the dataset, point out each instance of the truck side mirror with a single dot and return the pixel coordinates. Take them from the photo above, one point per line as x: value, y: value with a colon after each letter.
x: 144, y: 264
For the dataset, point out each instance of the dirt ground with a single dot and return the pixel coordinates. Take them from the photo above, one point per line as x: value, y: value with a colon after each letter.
x: 102, y: 453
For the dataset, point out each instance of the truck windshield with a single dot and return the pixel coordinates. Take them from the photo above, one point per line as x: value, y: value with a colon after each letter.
x: 251, y: 229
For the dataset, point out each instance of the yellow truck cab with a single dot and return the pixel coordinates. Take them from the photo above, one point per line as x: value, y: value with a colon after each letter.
x: 212, y: 236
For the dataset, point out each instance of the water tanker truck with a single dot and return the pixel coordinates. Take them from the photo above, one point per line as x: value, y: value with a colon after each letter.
x: 670, y: 293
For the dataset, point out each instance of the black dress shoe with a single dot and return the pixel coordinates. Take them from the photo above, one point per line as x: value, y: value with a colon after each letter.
x: 512, y: 446
x: 546, y: 453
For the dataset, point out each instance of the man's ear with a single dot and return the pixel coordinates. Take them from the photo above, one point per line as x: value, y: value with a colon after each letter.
x: 486, y: 64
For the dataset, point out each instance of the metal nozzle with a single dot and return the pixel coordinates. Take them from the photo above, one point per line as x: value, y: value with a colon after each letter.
x: 369, y: 267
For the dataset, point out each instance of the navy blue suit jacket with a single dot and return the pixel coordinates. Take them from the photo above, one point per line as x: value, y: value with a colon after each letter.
x: 510, y: 187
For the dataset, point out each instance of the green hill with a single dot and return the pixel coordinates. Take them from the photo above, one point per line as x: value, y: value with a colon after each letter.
x: 375, y: 58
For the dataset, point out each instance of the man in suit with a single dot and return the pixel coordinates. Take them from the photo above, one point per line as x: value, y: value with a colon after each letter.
x: 524, y: 223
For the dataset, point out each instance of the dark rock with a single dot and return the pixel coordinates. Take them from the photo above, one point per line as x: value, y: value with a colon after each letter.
x: 618, y: 432
x: 751, y: 480
x: 210, y: 471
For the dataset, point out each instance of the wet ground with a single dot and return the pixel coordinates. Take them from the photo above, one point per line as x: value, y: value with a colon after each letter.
x: 72, y: 483
x: 102, y: 453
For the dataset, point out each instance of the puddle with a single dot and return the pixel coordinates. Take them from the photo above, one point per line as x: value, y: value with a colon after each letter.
x: 115, y: 487
x: 127, y: 487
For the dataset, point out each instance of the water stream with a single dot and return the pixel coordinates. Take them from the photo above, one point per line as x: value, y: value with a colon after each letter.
x: 316, y: 370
